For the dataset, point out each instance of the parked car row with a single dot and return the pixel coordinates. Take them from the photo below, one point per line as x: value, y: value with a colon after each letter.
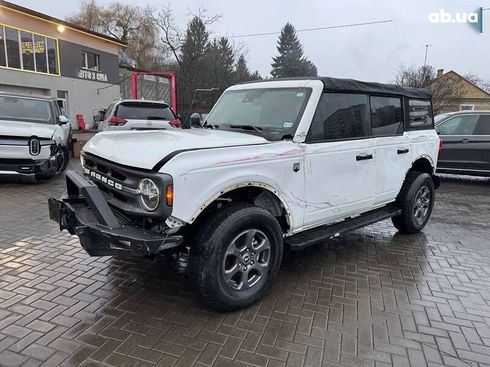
x: 35, y: 136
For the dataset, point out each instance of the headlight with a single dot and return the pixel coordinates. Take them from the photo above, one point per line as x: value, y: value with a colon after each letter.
x: 149, y: 194
x: 82, y: 160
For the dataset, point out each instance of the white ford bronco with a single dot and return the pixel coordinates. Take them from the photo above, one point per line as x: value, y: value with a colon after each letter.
x: 278, y: 164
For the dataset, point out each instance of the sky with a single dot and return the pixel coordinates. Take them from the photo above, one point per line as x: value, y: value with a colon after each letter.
x: 371, y: 52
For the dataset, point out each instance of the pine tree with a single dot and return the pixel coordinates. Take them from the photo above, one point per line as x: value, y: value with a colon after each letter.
x: 220, y: 63
x: 242, y: 74
x: 192, y: 61
x: 290, y: 62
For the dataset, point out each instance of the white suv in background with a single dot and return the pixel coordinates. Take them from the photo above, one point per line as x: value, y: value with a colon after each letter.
x: 137, y: 114
x: 35, y: 137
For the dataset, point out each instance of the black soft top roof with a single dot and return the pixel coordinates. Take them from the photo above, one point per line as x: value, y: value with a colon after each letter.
x: 351, y: 85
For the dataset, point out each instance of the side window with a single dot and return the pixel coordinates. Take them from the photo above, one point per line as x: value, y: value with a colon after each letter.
x: 386, y: 115
x: 483, y: 125
x: 420, y: 114
x: 340, y: 116
x: 459, y: 125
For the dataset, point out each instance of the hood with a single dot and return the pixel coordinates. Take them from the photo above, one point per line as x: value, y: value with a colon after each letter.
x: 144, y: 149
x: 27, y: 129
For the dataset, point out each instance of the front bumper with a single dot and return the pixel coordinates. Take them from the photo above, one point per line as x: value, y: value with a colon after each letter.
x: 27, y: 167
x: 85, y: 213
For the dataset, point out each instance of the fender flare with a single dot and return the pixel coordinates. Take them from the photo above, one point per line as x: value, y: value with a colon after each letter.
x: 251, y: 183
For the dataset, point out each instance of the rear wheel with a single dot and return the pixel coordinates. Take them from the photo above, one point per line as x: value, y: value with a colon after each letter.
x: 416, y: 200
x: 236, y: 255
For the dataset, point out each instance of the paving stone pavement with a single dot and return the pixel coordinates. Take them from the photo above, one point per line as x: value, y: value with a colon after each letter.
x: 370, y: 298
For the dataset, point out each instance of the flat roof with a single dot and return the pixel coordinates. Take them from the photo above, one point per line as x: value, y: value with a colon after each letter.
x: 48, y: 18
x: 351, y: 85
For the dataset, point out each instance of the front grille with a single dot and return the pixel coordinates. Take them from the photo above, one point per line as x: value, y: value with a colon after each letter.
x: 100, y: 166
x: 119, y: 185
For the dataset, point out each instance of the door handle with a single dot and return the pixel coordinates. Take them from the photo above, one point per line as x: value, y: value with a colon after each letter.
x: 465, y: 141
x: 364, y: 157
x: 403, y: 151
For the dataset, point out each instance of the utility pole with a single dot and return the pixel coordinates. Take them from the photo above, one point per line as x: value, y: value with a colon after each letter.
x: 426, y: 53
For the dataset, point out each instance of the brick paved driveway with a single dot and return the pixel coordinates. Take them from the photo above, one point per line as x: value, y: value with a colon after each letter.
x: 371, y: 298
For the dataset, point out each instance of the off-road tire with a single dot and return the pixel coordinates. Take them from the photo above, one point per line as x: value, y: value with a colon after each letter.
x: 208, y: 254
x: 407, y: 222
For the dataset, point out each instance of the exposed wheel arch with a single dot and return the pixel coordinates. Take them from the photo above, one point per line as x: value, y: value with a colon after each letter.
x: 258, y: 194
x: 423, y: 164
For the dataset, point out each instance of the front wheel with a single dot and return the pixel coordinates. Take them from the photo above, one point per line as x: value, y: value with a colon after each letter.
x: 62, y: 157
x: 416, y: 200
x: 236, y: 255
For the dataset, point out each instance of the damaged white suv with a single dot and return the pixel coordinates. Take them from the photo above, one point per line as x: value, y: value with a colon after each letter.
x: 278, y: 163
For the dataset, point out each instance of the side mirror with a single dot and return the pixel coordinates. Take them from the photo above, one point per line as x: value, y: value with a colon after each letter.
x: 62, y: 120
x: 196, y: 120
x: 438, y: 130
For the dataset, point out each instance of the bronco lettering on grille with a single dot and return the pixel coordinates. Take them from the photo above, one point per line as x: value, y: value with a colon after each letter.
x: 103, y: 179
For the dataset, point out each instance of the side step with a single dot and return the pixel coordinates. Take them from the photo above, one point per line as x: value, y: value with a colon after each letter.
x: 313, y: 236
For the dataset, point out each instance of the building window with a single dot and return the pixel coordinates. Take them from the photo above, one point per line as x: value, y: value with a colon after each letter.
x: 28, y: 51
x: 52, y: 56
x: 466, y: 107
x: 90, y: 61
x: 40, y: 53
x: 3, y: 50
x: 13, y: 50
x: 62, y: 100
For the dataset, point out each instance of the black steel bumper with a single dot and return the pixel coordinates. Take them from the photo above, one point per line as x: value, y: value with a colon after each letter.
x: 85, y: 212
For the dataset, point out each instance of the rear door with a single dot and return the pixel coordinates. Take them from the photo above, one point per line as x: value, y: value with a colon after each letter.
x: 458, y: 138
x: 393, y: 156
x: 481, y: 151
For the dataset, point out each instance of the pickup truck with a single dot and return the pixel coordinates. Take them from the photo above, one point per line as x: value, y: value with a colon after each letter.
x: 278, y: 164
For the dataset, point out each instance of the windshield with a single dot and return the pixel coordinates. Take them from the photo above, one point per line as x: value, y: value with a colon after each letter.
x: 273, y: 113
x: 25, y: 110
x: 144, y: 111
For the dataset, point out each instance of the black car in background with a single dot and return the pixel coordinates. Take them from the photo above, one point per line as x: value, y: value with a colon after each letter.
x: 466, y: 143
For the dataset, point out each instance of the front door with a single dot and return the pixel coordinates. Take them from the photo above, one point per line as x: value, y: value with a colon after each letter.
x: 339, y: 159
x: 458, y: 138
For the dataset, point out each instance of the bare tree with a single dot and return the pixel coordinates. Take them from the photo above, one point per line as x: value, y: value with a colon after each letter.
x: 448, y: 92
x: 476, y: 80
x: 127, y: 23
